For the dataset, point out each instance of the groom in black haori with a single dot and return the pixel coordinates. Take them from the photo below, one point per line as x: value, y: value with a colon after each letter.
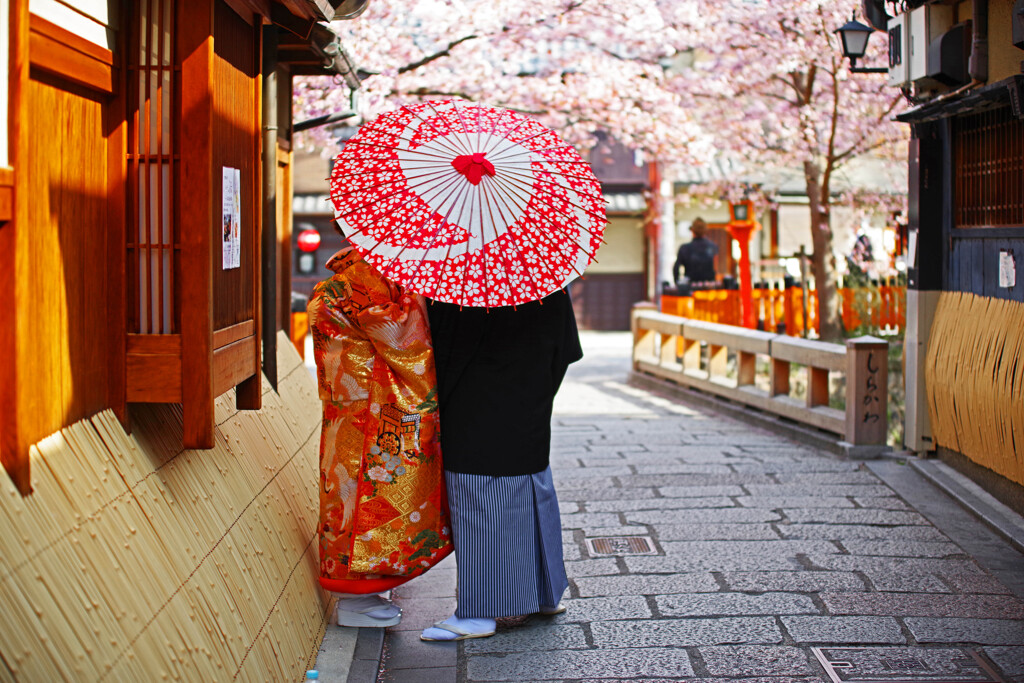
x: 498, y: 371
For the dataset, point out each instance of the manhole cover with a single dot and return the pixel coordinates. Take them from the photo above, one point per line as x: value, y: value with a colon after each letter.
x: 904, y: 665
x: 621, y: 545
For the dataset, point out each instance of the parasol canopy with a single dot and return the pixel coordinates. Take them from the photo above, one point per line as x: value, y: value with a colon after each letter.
x: 468, y: 204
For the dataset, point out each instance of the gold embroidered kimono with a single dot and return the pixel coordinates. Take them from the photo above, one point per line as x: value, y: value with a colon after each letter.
x: 383, y: 513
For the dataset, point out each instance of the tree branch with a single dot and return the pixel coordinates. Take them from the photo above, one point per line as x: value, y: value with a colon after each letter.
x: 436, y: 55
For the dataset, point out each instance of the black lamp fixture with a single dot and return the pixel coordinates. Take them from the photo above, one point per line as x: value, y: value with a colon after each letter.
x: 854, y: 36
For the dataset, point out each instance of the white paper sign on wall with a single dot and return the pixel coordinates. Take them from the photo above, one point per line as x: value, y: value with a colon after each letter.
x: 1007, y: 269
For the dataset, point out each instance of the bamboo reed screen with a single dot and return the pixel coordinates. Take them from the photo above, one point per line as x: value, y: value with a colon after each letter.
x: 989, y: 170
x: 133, y: 560
x: 153, y: 242
x: 974, y: 375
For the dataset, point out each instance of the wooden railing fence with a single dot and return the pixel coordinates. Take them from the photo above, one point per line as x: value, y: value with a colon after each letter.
x: 670, y: 347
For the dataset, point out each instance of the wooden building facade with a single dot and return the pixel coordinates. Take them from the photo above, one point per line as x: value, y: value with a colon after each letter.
x: 965, y: 338
x: 160, y: 516
x: 141, y: 224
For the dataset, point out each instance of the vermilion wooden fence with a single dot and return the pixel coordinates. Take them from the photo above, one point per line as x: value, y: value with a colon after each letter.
x: 781, y: 310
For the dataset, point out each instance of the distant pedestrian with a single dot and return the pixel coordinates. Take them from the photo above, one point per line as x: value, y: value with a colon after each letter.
x: 383, y: 515
x: 698, y: 256
x: 498, y: 371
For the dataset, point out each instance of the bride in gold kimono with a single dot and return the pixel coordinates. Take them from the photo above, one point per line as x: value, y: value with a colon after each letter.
x: 383, y: 513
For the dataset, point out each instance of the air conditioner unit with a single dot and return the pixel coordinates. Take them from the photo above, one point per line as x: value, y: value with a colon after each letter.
x: 948, y: 55
x: 898, y: 53
x: 925, y: 24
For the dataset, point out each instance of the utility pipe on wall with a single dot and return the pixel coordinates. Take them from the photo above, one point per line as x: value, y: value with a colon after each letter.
x: 268, y: 240
x: 977, y: 66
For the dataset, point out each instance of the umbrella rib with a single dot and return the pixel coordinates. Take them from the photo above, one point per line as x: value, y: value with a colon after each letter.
x: 526, y: 266
x: 504, y: 136
x: 356, y: 141
x: 542, y: 162
x: 376, y: 200
x: 341, y: 193
x: 462, y: 120
x: 484, y: 197
x: 567, y: 234
x: 500, y: 189
x: 543, y: 149
x: 424, y: 224
x: 538, y: 190
x: 439, y: 132
x: 529, y: 137
x: 433, y: 241
x: 529, y: 176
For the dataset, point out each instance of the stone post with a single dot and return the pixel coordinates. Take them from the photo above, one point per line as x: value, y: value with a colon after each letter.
x: 867, y: 397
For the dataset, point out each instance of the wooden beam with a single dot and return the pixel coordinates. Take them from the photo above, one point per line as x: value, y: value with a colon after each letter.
x: 13, y: 449
x: 69, y: 56
x: 195, y: 45
x: 249, y: 389
x: 229, y: 335
x: 117, y: 257
x: 235, y: 363
x: 808, y: 352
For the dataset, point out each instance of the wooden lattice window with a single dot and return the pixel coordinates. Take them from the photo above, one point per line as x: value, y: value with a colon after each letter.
x: 989, y: 170
x: 153, y: 243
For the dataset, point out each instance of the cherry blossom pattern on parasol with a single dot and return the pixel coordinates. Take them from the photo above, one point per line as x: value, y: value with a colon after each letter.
x: 468, y: 204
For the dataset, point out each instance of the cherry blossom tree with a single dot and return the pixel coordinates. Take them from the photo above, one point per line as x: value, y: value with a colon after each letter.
x: 577, y: 65
x: 683, y: 80
x: 770, y: 82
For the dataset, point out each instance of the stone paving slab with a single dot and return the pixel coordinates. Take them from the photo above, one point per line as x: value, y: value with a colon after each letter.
x: 719, y: 516
x: 847, y: 630
x: 1009, y: 659
x: 883, y: 502
x: 925, y: 605
x: 777, y: 502
x: 838, y: 490
x: 599, y: 494
x: 865, y: 531
x: 902, y: 548
x: 714, y: 604
x: 716, y: 532
x: 646, y: 584
x: 796, y: 581
x: 957, y: 630
x: 532, y: 636
x: 587, y: 610
x: 856, y: 516
x: 754, y: 660
x: 686, y: 632
x: 659, y: 504
x: 701, y: 491
x: 634, y: 664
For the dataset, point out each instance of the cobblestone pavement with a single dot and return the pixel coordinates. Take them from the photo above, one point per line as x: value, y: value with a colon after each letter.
x: 761, y: 549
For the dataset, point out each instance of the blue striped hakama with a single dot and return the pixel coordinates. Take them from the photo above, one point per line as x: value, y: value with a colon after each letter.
x: 508, y: 543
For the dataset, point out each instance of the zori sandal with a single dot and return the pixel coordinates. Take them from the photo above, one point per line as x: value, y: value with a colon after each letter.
x: 453, y: 628
x: 552, y: 611
x: 367, y: 611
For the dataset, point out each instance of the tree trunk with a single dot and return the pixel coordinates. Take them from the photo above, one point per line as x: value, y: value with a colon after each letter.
x: 830, y: 324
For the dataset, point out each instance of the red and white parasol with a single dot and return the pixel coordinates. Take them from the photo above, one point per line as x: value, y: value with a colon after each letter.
x: 473, y: 205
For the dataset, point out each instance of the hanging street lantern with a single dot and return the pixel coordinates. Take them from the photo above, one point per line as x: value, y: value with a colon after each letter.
x: 854, y: 37
x: 308, y: 242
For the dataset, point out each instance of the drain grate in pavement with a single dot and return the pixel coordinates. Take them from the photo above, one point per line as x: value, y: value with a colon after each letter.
x: 904, y: 665
x: 621, y: 545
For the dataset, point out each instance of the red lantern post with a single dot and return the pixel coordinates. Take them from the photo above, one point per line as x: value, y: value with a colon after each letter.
x: 741, y: 226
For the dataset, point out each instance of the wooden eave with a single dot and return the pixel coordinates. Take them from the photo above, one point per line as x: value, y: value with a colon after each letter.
x: 311, y: 10
x: 1007, y: 91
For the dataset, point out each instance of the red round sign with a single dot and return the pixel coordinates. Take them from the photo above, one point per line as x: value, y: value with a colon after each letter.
x: 309, y: 240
